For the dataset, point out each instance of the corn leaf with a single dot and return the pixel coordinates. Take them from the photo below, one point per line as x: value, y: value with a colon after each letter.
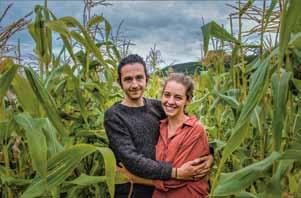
x: 46, y: 101
x: 274, y: 187
x: 289, y: 20
x: 280, y: 92
x: 6, y: 79
x: 227, y: 99
x: 257, y: 89
x: 95, y: 20
x: 53, y: 144
x: 84, y: 180
x: 4, y: 132
x: 26, y: 95
x: 212, y: 29
x: 61, y: 166
x: 36, y: 142
x: 234, y: 182
x: 72, y: 22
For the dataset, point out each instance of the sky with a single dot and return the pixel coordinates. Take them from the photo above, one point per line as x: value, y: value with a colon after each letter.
x: 173, y: 26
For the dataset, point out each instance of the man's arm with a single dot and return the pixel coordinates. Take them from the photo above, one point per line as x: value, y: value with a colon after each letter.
x: 123, y: 146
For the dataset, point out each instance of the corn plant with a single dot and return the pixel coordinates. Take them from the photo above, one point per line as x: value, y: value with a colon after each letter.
x: 252, y: 108
x: 52, y: 137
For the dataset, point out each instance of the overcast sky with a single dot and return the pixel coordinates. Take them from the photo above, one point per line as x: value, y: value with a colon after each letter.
x: 174, y: 26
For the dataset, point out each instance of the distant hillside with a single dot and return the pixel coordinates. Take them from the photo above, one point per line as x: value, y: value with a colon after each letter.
x: 192, y: 67
x: 187, y: 68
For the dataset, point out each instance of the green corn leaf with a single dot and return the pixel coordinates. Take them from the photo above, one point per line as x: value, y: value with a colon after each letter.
x: 270, y: 12
x: 61, y: 166
x: 6, y: 178
x: 46, y: 101
x: 72, y: 22
x: 4, y: 132
x: 295, y: 41
x: 257, y: 89
x: 80, y: 99
x: 6, y: 79
x: 26, y: 95
x: 258, y: 85
x: 53, y: 144
x: 79, y: 38
x: 280, y: 92
x: 36, y: 142
x: 108, y: 29
x: 289, y: 20
x: 234, y: 182
x: 95, y: 20
x: 212, y: 29
x: 59, y: 27
x: 84, y: 180
x: 227, y: 99
x: 245, y: 195
x: 53, y: 75
x: 292, y: 154
x: 255, y: 118
x: 110, y: 168
x: 247, y: 5
x: 273, y: 189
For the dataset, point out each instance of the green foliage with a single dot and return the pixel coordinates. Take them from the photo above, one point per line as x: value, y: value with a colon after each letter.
x: 52, y: 138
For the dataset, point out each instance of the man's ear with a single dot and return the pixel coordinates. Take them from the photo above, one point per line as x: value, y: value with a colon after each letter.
x: 147, y: 78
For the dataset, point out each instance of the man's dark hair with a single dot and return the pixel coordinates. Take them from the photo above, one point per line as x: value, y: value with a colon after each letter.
x: 131, y: 59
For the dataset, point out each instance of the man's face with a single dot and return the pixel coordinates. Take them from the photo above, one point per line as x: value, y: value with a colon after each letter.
x: 133, y: 80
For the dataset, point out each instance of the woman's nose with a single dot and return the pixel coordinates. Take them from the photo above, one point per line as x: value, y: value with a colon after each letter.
x: 171, y: 100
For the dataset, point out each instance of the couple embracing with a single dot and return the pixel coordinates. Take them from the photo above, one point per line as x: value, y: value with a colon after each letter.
x: 163, y: 151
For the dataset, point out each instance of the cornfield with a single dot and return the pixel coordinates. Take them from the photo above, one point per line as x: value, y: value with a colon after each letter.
x: 52, y: 139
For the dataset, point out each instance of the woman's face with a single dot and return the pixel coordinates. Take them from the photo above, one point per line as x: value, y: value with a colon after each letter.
x: 174, y: 99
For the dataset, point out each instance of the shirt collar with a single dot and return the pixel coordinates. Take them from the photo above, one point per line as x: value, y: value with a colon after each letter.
x: 189, y: 122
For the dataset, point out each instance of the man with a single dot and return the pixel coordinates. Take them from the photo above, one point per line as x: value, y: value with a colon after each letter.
x: 132, y: 126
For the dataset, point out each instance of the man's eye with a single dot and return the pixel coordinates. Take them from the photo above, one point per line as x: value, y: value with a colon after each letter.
x: 139, y: 77
x: 127, y: 79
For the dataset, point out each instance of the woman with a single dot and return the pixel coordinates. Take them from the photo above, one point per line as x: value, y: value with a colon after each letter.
x: 182, y: 138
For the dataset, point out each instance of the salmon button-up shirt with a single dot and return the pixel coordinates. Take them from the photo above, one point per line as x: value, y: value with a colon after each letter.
x: 188, y: 143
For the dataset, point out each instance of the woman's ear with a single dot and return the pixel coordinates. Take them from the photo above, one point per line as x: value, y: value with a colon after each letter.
x: 188, y: 101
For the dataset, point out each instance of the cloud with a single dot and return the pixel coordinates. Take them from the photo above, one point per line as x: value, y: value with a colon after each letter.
x: 174, y: 26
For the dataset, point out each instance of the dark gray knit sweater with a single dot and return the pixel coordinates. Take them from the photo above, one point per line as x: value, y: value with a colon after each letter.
x: 133, y: 133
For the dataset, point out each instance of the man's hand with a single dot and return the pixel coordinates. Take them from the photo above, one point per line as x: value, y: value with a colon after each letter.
x: 121, y: 169
x: 133, y: 178
x: 195, y: 169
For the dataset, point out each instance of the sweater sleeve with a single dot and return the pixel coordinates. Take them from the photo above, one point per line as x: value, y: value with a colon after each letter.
x: 123, y: 146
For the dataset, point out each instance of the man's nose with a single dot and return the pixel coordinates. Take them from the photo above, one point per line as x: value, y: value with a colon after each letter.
x: 134, y: 83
